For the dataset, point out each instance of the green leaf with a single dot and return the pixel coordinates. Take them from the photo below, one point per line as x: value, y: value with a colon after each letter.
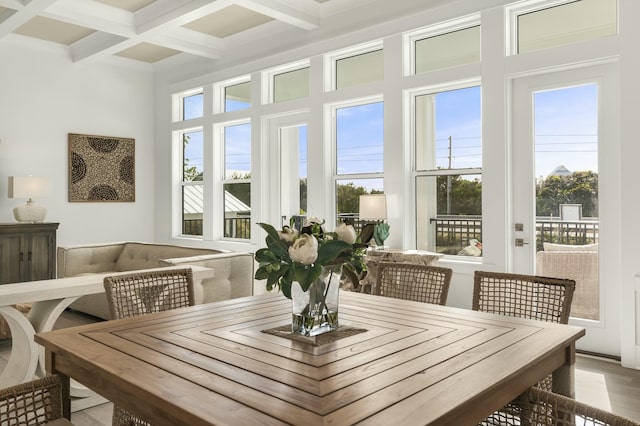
x: 306, y: 274
x: 262, y: 273
x: 264, y: 255
x: 330, y: 250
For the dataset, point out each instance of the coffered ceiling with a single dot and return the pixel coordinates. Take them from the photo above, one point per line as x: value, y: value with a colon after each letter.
x: 152, y: 32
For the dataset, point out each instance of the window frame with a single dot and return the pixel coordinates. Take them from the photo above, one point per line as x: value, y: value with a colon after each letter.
x: 331, y: 59
x: 410, y: 97
x: 513, y: 12
x: 411, y: 37
x: 268, y: 79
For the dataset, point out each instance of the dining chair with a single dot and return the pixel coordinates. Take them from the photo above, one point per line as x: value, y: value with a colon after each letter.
x: 34, y: 403
x: 140, y: 293
x: 543, y: 408
x: 420, y: 283
x: 525, y: 296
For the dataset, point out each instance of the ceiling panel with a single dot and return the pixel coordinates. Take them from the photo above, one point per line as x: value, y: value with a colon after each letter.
x: 224, y: 31
x: 52, y: 30
x: 228, y: 21
x: 147, y: 52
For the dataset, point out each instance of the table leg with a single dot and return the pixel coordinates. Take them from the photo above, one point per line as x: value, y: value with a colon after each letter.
x: 564, y: 377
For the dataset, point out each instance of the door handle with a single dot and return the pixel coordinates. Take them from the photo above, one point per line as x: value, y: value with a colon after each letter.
x: 520, y: 242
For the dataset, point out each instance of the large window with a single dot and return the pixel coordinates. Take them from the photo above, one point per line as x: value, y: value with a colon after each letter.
x: 192, y: 177
x: 448, y: 162
x: 359, y: 133
x: 237, y: 181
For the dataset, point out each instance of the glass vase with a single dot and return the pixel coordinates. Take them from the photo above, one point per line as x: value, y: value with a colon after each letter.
x: 315, y: 311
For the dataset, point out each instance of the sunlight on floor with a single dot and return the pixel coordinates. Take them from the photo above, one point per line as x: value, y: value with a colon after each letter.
x: 591, y: 388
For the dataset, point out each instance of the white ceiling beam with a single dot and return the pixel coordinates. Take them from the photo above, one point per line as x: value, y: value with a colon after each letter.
x: 189, y: 41
x: 23, y: 15
x: 282, y: 13
x: 172, y: 16
x: 99, y: 45
x: 12, y: 4
x: 93, y: 14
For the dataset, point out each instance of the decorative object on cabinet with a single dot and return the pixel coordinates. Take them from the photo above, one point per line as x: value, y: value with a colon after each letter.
x: 29, y: 187
x: 374, y: 207
x: 28, y: 252
x: 101, y: 168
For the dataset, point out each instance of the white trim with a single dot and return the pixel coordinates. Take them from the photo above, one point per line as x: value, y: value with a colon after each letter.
x: 410, y: 38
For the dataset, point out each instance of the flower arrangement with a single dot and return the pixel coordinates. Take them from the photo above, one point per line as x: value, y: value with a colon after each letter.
x: 293, y: 255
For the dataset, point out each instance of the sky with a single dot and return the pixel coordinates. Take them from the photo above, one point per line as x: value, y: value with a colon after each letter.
x: 565, y: 129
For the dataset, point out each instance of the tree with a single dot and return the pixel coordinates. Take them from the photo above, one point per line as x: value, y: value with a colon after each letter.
x: 465, y: 197
x: 190, y: 173
x: 577, y: 188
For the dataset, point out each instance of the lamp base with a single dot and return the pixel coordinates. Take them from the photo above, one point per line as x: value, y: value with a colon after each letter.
x: 29, y: 213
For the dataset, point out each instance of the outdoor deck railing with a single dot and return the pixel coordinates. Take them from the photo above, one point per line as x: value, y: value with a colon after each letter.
x: 452, y: 232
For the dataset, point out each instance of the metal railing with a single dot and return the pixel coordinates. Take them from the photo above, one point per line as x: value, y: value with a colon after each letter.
x: 453, y: 233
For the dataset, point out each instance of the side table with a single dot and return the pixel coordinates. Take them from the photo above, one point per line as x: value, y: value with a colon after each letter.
x: 421, y: 257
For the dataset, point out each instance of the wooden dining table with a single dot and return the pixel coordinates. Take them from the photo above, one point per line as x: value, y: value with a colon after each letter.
x: 391, y: 362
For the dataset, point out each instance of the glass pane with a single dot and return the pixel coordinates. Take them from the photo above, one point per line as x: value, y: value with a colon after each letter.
x: 192, y: 209
x: 293, y: 172
x: 237, y: 210
x: 291, y: 85
x: 568, y: 23
x: 449, y: 214
x: 448, y: 130
x: 237, y: 151
x: 360, y: 69
x: 348, y: 192
x: 237, y: 96
x: 359, y: 139
x: 192, y: 156
x: 192, y: 106
x: 566, y: 167
x: 448, y: 50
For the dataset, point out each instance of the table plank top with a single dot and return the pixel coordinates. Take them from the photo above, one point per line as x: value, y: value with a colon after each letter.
x: 413, y: 363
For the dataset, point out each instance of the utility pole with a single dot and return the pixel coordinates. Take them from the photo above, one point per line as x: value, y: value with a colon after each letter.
x: 449, y: 181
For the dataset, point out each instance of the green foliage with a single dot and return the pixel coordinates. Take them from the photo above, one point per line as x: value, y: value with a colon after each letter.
x: 348, y: 197
x: 277, y: 267
x: 466, y: 195
x: 577, y: 188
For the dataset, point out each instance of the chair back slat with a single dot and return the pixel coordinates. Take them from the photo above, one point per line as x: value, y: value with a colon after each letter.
x: 420, y: 283
x: 526, y: 296
x: 36, y: 402
x: 142, y: 293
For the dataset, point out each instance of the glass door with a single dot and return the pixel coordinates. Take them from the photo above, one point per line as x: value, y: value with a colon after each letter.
x: 562, y: 144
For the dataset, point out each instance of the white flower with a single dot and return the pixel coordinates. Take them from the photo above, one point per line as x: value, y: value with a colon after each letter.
x: 313, y: 220
x: 346, y: 233
x: 304, y: 249
x: 288, y: 234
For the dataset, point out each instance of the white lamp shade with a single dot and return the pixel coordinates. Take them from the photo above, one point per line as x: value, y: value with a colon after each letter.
x: 28, y: 187
x: 373, y: 207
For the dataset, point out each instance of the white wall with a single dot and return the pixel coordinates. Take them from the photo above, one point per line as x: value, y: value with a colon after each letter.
x: 43, y: 97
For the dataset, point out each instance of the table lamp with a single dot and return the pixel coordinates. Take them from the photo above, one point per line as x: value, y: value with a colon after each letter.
x: 374, y: 207
x: 29, y: 187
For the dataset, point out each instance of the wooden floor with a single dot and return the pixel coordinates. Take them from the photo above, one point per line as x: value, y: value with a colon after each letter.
x: 599, y: 382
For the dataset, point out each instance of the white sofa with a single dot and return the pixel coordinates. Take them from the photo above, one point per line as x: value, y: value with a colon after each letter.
x: 579, y: 263
x: 233, y: 271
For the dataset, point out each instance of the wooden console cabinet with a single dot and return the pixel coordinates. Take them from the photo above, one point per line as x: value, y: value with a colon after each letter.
x: 27, y: 252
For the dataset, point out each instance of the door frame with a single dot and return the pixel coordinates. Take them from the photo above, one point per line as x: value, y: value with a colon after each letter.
x: 602, y: 336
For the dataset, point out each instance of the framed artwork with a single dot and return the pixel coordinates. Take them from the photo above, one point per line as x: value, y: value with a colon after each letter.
x: 101, y: 168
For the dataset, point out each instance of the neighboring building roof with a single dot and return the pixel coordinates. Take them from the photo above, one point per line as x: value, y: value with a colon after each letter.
x: 561, y: 170
x: 193, y: 200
